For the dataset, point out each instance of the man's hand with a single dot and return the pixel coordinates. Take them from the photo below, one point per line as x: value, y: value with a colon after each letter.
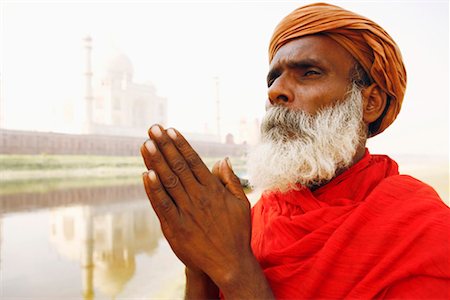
x: 207, y: 226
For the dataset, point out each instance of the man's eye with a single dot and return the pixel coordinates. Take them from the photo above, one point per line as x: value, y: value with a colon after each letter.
x: 311, y: 72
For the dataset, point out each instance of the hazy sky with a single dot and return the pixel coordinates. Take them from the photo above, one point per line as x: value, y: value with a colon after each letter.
x: 181, y: 46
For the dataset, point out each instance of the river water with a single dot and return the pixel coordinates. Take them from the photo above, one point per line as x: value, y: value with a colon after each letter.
x: 85, y: 243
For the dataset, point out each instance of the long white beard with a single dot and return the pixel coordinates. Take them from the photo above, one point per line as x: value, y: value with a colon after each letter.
x: 299, y: 148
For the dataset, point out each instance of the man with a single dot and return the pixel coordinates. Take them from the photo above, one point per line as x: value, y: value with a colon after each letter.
x: 334, y: 221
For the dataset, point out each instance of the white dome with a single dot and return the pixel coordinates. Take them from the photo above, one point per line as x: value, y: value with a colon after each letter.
x: 119, y: 63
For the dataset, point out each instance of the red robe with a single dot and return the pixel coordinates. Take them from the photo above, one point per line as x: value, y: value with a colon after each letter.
x: 369, y: 233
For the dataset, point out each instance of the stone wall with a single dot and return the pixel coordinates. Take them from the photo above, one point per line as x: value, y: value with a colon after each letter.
x: 29, y: 142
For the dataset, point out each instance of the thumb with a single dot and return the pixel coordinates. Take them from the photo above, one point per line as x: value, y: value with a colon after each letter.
x: 230, y: 180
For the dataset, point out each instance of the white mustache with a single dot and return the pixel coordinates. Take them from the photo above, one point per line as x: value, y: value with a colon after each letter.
x: 280, y: 118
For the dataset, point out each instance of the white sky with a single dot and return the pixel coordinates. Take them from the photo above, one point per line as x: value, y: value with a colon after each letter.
x: 181, y: 46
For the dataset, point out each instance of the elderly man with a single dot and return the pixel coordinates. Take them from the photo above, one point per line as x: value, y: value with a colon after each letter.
x: 333, y: 221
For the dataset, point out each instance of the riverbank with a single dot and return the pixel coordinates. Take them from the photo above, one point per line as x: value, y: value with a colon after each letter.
x: 43, y: 173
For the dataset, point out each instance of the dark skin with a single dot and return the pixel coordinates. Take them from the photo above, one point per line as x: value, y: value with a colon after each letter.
x: 313, y: 72
x: 205, y: 216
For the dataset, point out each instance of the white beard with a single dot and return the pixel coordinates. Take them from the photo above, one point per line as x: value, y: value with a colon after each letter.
x: 299, y: 149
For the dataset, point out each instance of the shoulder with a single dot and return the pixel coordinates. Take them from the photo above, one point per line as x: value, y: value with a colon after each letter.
x: 401, y: 197
x: 406, y: 188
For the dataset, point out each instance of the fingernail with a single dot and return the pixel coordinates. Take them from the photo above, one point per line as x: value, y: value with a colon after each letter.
x: 156, y: 131
x: 150, y: 146
x: 228, y: 163
x: 172, y: 133
x: 152, y: 175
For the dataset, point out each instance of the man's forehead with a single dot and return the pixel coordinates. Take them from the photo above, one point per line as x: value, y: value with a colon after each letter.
x: 314, y: 49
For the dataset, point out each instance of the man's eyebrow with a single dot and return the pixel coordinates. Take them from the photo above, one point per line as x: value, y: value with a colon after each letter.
x: 294, y: 64
x: 303, y: 63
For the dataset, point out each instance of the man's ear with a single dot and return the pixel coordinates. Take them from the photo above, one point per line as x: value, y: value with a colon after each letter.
x: 374, y: 103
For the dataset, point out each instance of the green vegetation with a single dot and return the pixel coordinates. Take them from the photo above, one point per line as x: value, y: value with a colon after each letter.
x: 53, y: 162
x: 43, y: 173
x: 51, y: 184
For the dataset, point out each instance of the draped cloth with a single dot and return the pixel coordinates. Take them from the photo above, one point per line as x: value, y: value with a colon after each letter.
x: 368, y: 233
x: 366, y: 41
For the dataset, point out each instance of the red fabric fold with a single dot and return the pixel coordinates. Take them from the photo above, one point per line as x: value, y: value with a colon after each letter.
x: 369, y: 233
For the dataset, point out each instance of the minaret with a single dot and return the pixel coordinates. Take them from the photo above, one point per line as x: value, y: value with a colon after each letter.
x: 2, y: 106
x: 216, y: 79
x: 88, y: 86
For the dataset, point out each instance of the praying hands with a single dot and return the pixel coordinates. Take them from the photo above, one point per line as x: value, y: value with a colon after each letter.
x: 204, y: 216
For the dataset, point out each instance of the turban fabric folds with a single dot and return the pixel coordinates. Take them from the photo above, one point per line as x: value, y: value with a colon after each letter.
x: 365, y: 40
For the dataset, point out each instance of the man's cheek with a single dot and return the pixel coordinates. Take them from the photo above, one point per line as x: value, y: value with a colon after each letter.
x: 268, y: 104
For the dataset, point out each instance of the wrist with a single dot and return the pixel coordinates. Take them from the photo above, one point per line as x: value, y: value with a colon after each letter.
x: 194, y: 272
x: 246, y: 280
x: 234, y: 275
x: 199, y: 285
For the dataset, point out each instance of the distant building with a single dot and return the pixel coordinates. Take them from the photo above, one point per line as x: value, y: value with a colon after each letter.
x: 115, y: 105
x: 229, y: 139
x: 117, y: 114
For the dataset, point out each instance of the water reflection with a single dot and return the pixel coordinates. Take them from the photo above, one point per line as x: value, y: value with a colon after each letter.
x: 105, y: 239
x: 103, y: 230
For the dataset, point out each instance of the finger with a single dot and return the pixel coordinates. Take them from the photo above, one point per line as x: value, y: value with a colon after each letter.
x: 230, y: 180
x: 146, y: 156
x: 169, y: 179
x: 174, y: 159
x: 215, y: 169
x: 162, y: 204
x: 199, y: 169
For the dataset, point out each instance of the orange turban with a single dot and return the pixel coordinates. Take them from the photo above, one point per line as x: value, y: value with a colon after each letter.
x: 365, y: 40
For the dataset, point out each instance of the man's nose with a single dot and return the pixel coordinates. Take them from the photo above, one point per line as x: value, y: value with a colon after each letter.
x: 280, y: 93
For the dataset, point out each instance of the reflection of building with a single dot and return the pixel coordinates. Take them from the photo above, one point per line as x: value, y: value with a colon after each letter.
x: 88, y: 240
x: 105, y: 240
x: 115, y: 105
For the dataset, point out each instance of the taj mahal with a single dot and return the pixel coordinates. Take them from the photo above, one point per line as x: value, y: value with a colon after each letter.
x: 115, y: 105
x: 117, y: 111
